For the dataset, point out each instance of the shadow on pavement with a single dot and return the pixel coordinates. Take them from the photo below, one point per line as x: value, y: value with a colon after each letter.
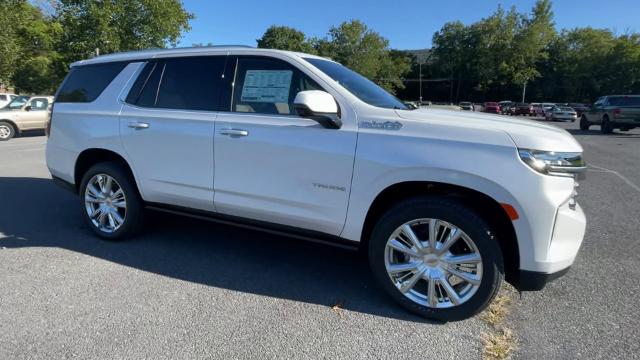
x: 36, y: 213
x: 596, y: 132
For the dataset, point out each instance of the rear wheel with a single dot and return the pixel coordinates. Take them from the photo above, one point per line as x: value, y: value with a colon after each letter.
x: 584, y: 123
x: 606, y: 127
x: 6, y: 131
x: 437, y: 258
x: 110, y: 201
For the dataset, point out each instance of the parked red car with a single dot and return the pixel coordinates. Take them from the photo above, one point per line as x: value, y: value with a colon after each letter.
x: 492, y: 107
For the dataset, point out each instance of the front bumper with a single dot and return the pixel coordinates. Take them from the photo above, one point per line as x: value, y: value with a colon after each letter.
x: 534, y: 281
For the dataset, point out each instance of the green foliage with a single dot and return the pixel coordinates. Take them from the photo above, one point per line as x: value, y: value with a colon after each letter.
x: 351, y: 43
x: 119, y: 25
x: 39, y: 46
x: 285, y: 38
x: 492, y: 58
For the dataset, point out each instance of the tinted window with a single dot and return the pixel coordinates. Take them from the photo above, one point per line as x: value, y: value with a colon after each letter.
x: 149, y: 82
x: 3, y: 97
x: 86, y: 83
x: 193, y: 83
x: 624, y: 101
x: 268, y: 86
x: 358, y: 85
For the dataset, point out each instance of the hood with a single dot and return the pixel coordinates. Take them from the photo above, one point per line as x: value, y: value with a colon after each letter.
x: 526, y: 134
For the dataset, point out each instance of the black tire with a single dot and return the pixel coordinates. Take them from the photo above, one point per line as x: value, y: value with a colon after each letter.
x: 134, y: 216
x: 606, y: 126
x: 456, y: 213
x: 6, y: 127
x: 584, y: 123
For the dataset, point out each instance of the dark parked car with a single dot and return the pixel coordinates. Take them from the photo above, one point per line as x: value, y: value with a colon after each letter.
x: 506, y: 107
x: 492, y: 107
x: 579, y: 108
x: 613, y: 112
x: 523, y: 109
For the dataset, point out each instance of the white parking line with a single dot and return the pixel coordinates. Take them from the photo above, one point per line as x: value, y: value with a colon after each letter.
x: 605, y: 170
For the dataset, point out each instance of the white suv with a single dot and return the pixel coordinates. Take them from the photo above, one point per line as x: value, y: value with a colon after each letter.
x: 446, y: 204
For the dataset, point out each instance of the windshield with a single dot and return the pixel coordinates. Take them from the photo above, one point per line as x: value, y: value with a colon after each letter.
x: 358, y: 85
x: 564, y: 108
x: 624, y: 101
x: 17, y: 103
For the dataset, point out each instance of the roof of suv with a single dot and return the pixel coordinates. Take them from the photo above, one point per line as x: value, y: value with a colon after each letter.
x: 189, y: 51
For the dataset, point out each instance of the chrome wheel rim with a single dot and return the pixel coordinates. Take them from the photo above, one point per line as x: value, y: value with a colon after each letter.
x: 433, y: 263
x: 4, y: 131
x: 105, y: 203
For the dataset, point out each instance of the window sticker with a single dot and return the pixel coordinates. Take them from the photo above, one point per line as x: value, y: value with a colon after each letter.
x: 266, y: 86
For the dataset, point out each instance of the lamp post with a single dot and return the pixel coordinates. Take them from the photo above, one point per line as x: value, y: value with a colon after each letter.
x: 420, y: 82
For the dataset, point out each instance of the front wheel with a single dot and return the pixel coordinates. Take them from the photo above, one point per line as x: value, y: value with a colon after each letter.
x: 437, y: 258
x: 605, y: 126
x: 110, y: 202
x: 584, y: 123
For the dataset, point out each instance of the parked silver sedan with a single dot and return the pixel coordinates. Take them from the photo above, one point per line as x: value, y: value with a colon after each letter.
x: 561, y: 113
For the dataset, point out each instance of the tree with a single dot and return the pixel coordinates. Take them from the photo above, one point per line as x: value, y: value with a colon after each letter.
x: 27, y: 51
x: 356, y: 46
x: 285, y: 38
x: 119, y: 25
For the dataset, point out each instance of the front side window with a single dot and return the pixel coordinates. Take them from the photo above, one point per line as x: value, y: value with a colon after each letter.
x: 39, y: 104
x: 192, y: 83
x: 363, y: 88
x: 268, y: 86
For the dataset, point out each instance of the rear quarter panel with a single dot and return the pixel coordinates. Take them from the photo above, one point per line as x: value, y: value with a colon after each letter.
x: 76, y: 127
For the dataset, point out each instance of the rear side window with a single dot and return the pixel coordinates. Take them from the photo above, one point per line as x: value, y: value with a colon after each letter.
x: 193, y: 83
x: 85, y: 83
x: 3, y: 97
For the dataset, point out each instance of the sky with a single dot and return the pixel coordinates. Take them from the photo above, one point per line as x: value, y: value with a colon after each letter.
x: 407, y: 24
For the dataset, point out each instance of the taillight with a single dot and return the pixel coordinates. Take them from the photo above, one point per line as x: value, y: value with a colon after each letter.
x: 47, y: 130
x: 616, y: 112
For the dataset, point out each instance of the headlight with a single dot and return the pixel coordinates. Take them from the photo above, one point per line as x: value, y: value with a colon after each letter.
x: 568, y: 164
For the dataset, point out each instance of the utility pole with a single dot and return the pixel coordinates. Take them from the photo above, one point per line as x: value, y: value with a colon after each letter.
x: 524, y: 89
x: 420, y: 81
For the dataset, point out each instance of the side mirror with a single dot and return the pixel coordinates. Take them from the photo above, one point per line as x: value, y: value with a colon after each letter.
x: 319, y: 106
x: 27, y: 108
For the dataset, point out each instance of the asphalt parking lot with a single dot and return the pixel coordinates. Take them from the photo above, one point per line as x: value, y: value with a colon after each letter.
x: 192, y: 289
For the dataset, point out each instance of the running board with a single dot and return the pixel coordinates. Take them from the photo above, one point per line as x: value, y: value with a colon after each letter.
x: 275, y: 229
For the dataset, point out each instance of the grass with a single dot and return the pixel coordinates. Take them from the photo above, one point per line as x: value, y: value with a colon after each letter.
x: 500, y: 343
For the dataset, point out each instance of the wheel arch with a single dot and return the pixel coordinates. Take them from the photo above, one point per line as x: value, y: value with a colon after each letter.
x: 89, y: 157
x: 486, y: 206
x: 16, y: 129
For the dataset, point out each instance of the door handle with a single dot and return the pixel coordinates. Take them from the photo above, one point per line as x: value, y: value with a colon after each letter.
x: 234, y: 132
x: 138, y: 125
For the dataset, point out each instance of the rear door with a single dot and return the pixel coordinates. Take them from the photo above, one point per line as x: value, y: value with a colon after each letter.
x: 167, y: 128
x: 273, y: 165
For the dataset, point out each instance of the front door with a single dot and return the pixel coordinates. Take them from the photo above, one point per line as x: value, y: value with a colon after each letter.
x: 167, y: 129
x: 36, y: 116
x: 273, y: 165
